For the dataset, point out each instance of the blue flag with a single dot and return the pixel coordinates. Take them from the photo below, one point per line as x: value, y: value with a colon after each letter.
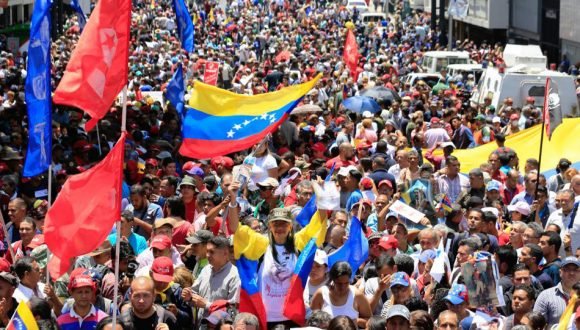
x: 37, y: 92
x: 176, y: 90
x: 184, y: 25
x: 355, y: 250
x: 80, y: 15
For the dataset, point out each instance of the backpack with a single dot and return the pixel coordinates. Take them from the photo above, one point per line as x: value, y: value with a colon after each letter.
x: 128, y: 320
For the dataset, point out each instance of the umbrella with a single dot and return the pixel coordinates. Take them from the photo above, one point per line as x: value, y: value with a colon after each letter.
x: 283, y: 56
x: 308, y: 108
x: 381, y: 94
x: 439, y: 87
x: 360, y: 104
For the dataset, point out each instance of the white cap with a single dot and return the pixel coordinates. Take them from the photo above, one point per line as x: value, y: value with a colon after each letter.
x: 321, y: 257
x: 520, y: 207
x: 493, y: 210
x: 496, y: 119
x: 345, y: 171
x: 367, y: 114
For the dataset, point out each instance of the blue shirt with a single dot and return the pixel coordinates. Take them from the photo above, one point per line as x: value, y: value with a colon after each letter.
x: 137, y: 242
x: 523, y: 197
x: 354, y: 197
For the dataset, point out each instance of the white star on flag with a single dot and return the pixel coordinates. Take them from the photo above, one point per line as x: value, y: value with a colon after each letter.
x: 246, y: 122
x: 237, y: 127
x: 264, y: 116
x: 230, y: 134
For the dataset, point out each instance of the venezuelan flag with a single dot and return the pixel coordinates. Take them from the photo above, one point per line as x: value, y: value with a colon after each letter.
x: 294, y: 303
x: 221, y: 122
x: 250, y: 297
x: 446, y: 203
x: 22, y: 319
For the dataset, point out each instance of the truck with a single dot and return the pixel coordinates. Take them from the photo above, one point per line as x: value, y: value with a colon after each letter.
x: 524, y: 75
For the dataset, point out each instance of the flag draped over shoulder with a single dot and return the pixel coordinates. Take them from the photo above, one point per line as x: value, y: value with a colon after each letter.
x: 552, y: 108
x: 176, y: 90
x: 22, y: 319
x: 86, y: 209
x: 350, y: 54
x: 250, y: 297
x: 294, y: 308
x: 97, y: 70
x: 221, y: 122
x: 184, y: 25
x: 355, y: 250
x: 37, y: 92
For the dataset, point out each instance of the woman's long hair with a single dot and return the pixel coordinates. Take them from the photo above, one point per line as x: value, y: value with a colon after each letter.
x: 288, y: 245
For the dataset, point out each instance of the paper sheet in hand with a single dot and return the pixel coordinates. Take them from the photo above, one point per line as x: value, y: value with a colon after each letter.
x: 406, y: 211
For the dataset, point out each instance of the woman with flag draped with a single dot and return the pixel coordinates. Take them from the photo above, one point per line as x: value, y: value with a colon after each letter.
x: 278, y: 252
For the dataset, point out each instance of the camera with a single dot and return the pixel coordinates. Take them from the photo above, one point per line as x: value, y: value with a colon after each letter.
x: 132, y: 267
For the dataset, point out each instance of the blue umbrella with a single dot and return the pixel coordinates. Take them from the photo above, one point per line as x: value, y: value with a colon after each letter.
x: 360, y: 104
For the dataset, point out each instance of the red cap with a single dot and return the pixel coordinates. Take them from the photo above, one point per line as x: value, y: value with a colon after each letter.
x: 416, y: 94
x: 530, y: 99
x: 37, y: 241
x: 367, y: 183
x: 218, y: 305
x: 387, y: 182
x: 363, y: 145
x: 319, y: 146
x: 339, y: 121
x: 162, y: 269
x: 4, y: 265
x: 389, y: 242
x: 161, y: 242
x: 435, y: 120
x: 152, y: 162
x: 514, y: 116
x: 225, y: 161
x: 82, y: 281
x: 189, y: 165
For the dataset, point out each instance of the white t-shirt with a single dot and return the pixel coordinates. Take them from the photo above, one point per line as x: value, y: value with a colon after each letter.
x: 274, y: 281
x: 260, y: 170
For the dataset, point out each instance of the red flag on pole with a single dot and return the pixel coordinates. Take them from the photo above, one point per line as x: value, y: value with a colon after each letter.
x: 85, y: 210
x: 97, y: 70
x: 350, y: 54
x: 552, y: 115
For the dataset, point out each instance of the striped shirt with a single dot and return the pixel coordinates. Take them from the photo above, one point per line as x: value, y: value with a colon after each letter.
x: 453, y: 187
x: 551, y: 303
x: 73, y: 321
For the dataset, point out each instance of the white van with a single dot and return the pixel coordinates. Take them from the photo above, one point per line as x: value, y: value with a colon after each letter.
x: 360, y: 5
x: 434, y: 61
x: 376, y: 19
x: 464, y: 70
x: 520, y: 83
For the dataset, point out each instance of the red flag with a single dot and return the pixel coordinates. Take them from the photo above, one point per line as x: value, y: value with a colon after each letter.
x: 85, y: 210
x: 97, y: 70
x: 350, y: 54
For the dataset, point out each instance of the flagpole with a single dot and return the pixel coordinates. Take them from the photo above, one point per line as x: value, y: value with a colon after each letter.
x: 99, y: 140
x: 47, y: 279
x: 118, y: 224
x: 546, y: 93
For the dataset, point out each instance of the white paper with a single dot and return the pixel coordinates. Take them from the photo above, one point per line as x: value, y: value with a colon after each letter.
x: 406, y: 211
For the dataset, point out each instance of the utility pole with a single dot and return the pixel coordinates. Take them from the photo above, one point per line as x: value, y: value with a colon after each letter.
x: 433, y: 15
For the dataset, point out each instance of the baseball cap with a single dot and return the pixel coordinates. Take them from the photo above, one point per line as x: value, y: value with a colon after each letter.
x: 367, y: 114
x: 386, y: 182
x: 225, y: 161
x: 435, y: 120
x: 389, y: 242
x: 400, y: 278
x: 152, y: 162
x: 321, y: 257
x: 196, y: 171
x: 269, y: 182
x: 480, y: 117
x: 280, y: 214
x: 399, y: 310
x: 318, y: 146
x: 4, y: 265
x: 375, y: 235
x: 82, y: 281
x: 161, y: 242
x: 457, y: 294
x: 427, y: 255
x: 492, y: 185
x: 162, y: 269
x: 164, y: 154
x: 9, y: 278
x: 163, y: 222
x: 200, y: 236
x: 40, y: 254
x: 345, y: 171
x: 570, y: 261
x: 496, y: 119
x: 521, y: 207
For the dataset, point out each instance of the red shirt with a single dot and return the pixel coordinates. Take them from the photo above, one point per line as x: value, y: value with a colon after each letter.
x: 339, y: 163
x: 190, y: 210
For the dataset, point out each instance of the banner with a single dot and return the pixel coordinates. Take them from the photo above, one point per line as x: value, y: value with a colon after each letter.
x: 458, y: 8
x: 211, y: 73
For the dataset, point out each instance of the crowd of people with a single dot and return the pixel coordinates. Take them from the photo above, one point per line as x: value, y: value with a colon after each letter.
x: 186, y: 222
